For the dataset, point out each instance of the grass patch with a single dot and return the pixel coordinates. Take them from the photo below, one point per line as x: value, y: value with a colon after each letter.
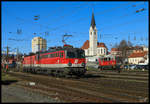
x: 6, y: 76
x: 92, y: 69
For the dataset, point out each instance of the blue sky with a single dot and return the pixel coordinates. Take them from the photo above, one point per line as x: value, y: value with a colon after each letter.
x: 114, y: 21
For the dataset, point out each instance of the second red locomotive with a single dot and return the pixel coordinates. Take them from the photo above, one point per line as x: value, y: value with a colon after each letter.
x: 58, y: 61
x: 109, y: 62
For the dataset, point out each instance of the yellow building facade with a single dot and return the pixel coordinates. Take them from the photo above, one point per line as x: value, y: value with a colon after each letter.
x: 38, y: 44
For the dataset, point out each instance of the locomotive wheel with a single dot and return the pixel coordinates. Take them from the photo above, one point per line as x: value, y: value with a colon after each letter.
x: 66, y: 71
x: 28, y: 70
x: 53, y: 73
x: 62, y: 74
x: 56, y: 73
x: 67, y: 76
x: 34, y: 71
x: 100, y: 68
x: 23, y: 70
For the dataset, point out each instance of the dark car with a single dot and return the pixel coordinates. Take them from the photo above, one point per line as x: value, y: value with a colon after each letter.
x: 13, y: 65
x: 140, y: 67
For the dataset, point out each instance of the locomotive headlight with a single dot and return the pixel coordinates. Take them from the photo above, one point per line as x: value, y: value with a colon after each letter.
x: 83, y: 64
x: 69, y: 64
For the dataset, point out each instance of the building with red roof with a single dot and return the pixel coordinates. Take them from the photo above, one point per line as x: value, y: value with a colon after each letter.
x: 115, y: 52
x: 137, y: 57
x: 101, y: 48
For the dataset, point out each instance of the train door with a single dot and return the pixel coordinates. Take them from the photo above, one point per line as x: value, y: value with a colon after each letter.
x: 60, y: 57
x: 37, y: 60
x: 30, y: 62
x: 57, y: 57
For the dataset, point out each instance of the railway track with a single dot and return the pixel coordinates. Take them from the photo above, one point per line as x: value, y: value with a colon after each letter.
x: 138, y: 77
x: 88, y: 89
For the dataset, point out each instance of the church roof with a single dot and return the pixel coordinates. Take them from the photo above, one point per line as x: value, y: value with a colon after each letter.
x: 86, y: 45
x: 101, y: 45
x: 93, y: 21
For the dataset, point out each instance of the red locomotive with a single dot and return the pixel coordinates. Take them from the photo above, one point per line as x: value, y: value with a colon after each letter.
x: 57, y: 61
x: 109, y: 62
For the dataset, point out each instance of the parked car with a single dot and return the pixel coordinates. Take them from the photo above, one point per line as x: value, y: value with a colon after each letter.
x: 126, y: 66
x: 140, y: 67
x: 132, y: 67
x: 13, y: 65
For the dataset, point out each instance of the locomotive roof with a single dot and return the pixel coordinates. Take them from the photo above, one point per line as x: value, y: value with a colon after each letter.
x: 52, y: 49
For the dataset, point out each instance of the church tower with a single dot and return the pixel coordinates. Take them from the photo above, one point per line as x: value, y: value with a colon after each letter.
x: 93, y: 37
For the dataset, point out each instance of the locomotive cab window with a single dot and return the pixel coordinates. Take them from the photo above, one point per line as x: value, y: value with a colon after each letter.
x: 70, y: 54
x: 75, y: 54
x: 105, y: 59
x: 61, y: 54
x: 80, y: 54
x: 108, y: 59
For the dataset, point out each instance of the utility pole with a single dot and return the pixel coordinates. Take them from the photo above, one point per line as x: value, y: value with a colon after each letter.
x: 7, y: 56
x: 17, y: 54
x: 17, y: 59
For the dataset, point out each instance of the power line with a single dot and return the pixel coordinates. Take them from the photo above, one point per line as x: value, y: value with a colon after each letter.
x: 126, y: 15
x: 67, y: 14
x: 108, y: 10
x: 111, y: 10
x: 129, y: 22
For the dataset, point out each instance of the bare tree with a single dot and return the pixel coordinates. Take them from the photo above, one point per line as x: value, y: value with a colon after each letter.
x: 129, y: 44
x: 123, y: 47
x: 115, y: 46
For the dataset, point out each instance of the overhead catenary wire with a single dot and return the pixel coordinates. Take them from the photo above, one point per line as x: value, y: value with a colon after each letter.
x: 84, y: 18
x: 129, y: 22
x: 77, y: 21
x: 117, y: 18
x: 128, y: 14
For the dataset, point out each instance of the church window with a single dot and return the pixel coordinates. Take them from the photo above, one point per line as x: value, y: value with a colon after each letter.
x: 101, y: 51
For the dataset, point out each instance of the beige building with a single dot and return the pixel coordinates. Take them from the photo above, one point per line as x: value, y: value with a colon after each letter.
x: 137, y: 57
x: 115, y: 52
x: 38, y: 44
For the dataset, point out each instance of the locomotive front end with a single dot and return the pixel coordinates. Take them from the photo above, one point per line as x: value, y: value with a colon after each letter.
x: 75, y: 59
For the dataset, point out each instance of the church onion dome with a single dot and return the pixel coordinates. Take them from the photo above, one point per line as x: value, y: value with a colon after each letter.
x: 93, y: 21
x: 101, y: 45
x: 85, y: 45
